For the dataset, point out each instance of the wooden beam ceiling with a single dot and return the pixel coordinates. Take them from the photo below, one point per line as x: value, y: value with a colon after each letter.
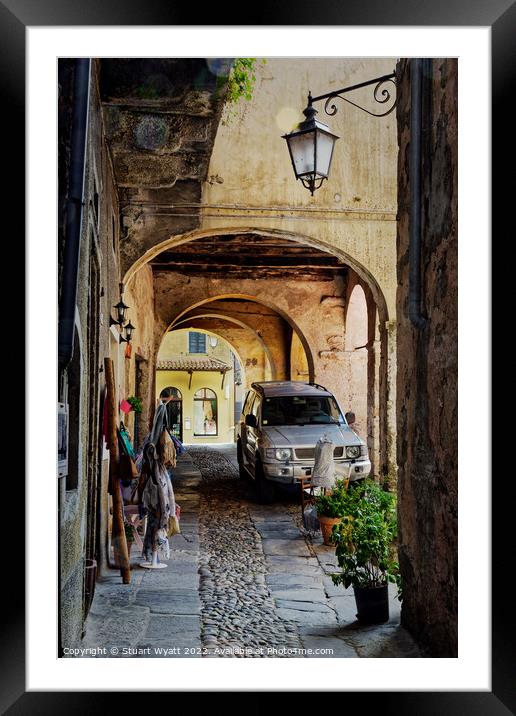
x: 249, y: 256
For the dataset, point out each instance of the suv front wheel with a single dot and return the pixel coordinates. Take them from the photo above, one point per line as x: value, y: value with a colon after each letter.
x: 264, y: 488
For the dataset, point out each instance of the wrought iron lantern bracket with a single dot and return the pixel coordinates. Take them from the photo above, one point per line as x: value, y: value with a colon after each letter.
x: 381, y: 94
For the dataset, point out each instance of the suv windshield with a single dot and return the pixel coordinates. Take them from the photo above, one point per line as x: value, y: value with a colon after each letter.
x: 300, y: 410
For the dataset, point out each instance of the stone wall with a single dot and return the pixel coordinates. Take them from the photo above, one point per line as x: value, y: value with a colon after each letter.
x: 427, y: 369
x: 98, y: 290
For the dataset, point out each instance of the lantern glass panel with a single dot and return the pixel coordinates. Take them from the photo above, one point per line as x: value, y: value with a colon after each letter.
x: 325, y: 144
x: 302, y: 151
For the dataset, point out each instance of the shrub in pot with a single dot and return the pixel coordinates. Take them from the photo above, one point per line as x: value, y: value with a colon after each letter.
x: 330, y: 509
x: 129, y: 536
x: 365, y: 550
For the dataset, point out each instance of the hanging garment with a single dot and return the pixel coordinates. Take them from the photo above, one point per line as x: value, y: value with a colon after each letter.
x: 166, y: 449
x: 160, y: 436
x: 159, y: 423
x: 159, y: 502
x: 323, y: 474
x: 126, y: 446
x: 180, y: 448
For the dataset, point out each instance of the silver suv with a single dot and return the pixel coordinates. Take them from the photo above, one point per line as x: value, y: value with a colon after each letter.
x: 280, y: 425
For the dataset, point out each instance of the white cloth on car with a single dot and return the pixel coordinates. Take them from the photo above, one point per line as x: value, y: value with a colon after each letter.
x: 323, y: 474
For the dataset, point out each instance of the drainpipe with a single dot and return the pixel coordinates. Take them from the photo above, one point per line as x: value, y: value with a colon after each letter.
x: 74, y: 213
x: 414, y: 308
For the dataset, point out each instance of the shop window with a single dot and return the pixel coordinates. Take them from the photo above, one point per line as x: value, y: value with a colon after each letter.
x: 196, y: 342
x: 205, y: 412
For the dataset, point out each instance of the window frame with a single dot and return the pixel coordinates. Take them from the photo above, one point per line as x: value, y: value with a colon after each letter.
x: 202, y: 400
x: 197, y: 334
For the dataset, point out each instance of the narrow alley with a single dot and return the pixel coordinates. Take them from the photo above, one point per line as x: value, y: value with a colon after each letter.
x: 243, y: 580
x: 216, y: 298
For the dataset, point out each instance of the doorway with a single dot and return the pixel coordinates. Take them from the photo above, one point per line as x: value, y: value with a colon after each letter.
x: 174, y: 411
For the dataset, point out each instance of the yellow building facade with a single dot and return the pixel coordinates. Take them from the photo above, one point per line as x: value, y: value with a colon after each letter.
x: 198, y: 369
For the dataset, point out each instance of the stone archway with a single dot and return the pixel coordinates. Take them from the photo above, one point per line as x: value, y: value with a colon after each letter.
x: 297, y: 238
x: 317, y: 317
x: 255, y: 299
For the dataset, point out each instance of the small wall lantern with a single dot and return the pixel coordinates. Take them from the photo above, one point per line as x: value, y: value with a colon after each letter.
x: 129, y: 328
x: 121, y: 308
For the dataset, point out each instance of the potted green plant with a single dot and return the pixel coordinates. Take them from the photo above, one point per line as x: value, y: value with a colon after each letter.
x: 135, y: 403
x: 366, y: 552
x: 129, y: 536
x: 331, y: 506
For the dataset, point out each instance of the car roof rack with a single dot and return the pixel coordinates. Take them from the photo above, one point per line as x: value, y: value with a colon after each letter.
x: 262, y: 387
x: 317, y: 385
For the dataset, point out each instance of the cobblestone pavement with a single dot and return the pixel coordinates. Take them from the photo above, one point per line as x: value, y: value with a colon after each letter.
x: 243, y: 580
x: 238, y: 612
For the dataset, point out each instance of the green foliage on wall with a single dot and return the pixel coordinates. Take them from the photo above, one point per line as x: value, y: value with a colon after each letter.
x: 240, y: 83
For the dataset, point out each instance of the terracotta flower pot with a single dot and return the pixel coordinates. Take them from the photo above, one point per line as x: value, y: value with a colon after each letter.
x: 327, y: 526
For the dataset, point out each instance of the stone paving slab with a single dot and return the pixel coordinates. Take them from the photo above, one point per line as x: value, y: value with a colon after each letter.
x: 180, y: 564
x: 304, y: 594
x: 346, y: 608
x: 340, y: 649
x: 180, y: 579
x: 166, y: 627
x: 181, y: 556
x: 260, y: 517
x: 285, y: 547
x: 280, y: 534
x: 327, y: 637
x: 184, y: 541
x: 335, y: 590
x: 286, y: 579
x: 168, y: 601
x: 303, y: 601
x: 186, y: 479
x: 307, y: 617
x: 188, y: 518
x: 296, y: 565
x: 121, y: 627
x: 383, y: 641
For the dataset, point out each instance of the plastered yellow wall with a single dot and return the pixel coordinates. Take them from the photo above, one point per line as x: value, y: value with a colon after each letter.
x: 175, y: 344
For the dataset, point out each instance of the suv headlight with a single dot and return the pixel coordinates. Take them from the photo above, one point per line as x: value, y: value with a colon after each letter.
x: 353, y: 451
x: 279, y: 454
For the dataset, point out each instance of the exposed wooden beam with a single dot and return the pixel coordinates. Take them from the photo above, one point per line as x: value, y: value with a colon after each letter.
x: 238, y: 261
x: 293, y: 274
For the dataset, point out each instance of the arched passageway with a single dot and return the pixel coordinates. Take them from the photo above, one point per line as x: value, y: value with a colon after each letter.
x: 318, y: 314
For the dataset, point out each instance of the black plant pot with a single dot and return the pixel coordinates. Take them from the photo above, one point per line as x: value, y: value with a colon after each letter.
x: 372, y: 604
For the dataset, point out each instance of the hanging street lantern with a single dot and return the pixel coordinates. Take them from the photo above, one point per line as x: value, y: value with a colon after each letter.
x: 311, y: 147
x: 121, y: 308
x: 311, y: 144
x: 128, y: 333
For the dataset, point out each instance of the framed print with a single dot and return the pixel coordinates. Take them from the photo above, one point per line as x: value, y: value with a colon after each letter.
x: 279, y: 242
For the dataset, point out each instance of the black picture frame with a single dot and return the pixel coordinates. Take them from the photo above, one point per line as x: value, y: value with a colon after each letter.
x: 500, y: 16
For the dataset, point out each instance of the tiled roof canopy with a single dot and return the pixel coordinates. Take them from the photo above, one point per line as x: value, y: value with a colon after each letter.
x: 193, y: 364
